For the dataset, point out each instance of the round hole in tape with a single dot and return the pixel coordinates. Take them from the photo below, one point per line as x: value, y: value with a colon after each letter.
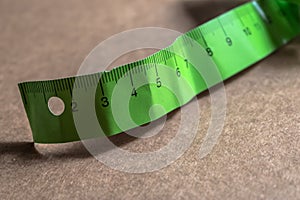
x: 56, y: 106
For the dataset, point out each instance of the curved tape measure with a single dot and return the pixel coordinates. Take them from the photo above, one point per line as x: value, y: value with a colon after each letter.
x: 234, y: 41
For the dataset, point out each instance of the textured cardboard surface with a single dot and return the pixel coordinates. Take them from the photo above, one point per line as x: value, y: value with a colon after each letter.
x: 257, y: 155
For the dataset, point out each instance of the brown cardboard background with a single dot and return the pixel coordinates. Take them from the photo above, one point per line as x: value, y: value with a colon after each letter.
x: 257, y: 156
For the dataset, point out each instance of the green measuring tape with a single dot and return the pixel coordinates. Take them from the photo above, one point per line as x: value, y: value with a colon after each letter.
x: 234, y: 41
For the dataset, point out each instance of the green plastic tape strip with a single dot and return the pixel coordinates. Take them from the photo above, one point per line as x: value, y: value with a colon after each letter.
x: 234, y: 41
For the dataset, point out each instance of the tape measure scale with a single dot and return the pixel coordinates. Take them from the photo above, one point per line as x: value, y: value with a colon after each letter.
x: 234, y: 41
